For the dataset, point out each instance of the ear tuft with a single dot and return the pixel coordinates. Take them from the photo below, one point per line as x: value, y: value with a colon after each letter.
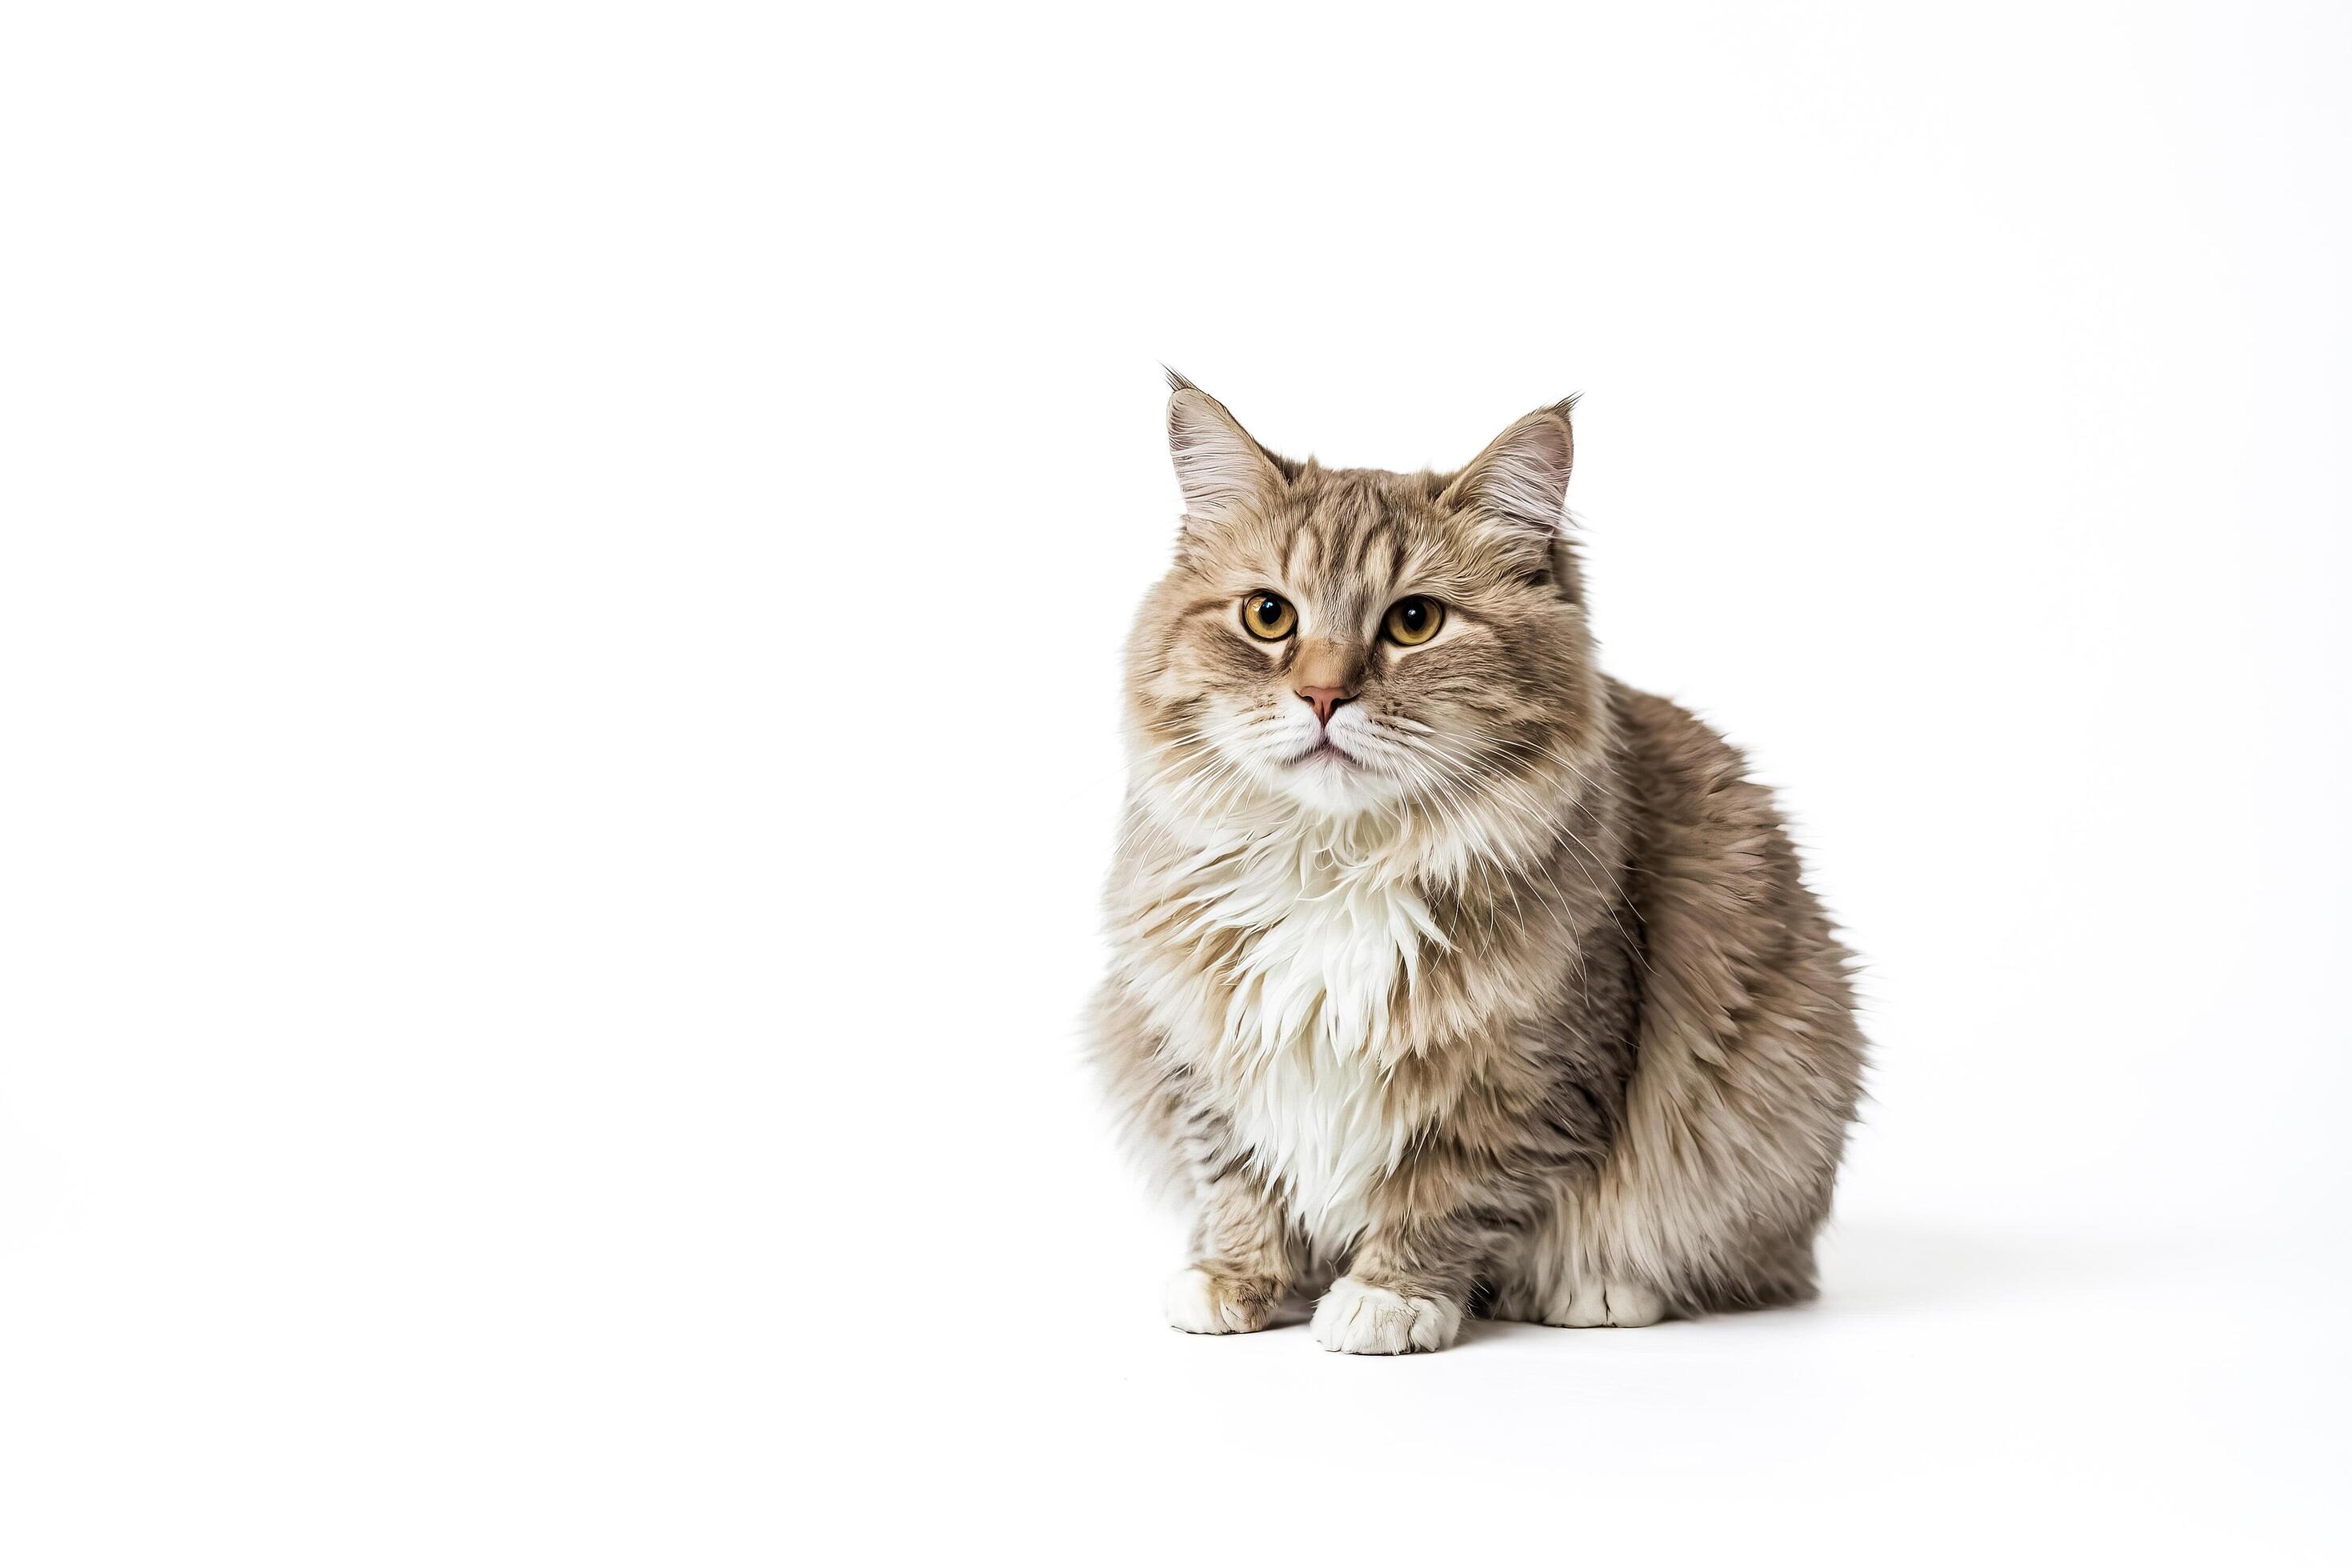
x: 1521, y: 478
x: 1218, y: 464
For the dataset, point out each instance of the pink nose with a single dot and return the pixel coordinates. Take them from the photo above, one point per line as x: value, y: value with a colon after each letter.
x: 1326, y: 698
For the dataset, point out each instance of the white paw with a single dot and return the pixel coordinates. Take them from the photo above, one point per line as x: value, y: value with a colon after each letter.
x: 1357, y: 1319
x: 1606, y: 1304
x: 1200, y: 1302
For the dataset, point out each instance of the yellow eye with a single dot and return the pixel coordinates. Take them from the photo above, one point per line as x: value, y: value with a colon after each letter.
x: 1268, y: 616
x: 1412, y: 620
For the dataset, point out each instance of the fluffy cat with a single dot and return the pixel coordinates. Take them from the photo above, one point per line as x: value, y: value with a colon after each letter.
x: 1443, y: 964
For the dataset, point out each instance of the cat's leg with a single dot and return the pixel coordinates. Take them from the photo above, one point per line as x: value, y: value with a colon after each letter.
x: 1410, y: 1278
x: 1244, y: 1258
x: 1243, y: 1255
x: 1559, y: 1277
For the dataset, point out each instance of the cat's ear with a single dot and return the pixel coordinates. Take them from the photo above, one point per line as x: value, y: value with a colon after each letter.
x: 1218, y: 464
x: 1521, y: 478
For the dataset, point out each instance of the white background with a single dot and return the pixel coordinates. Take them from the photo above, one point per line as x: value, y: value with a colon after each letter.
x: 564, y: 569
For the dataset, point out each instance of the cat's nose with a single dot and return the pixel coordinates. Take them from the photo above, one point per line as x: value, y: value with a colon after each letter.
x: 1326, y: 700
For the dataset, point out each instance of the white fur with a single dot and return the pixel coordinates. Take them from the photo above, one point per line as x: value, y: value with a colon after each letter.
x: 1317, y: 1123
x: 1301, y: 1039
x: 1357, y: 1319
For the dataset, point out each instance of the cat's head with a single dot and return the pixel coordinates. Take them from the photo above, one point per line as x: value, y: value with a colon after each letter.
x: 1348, y: 640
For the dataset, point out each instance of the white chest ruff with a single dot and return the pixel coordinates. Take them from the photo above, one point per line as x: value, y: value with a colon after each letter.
x: 1318, y: 1127
x: 1301, y: 1048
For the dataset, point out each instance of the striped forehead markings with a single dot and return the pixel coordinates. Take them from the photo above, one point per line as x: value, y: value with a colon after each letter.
x: 1378, y: 556
x: 1305, y: 554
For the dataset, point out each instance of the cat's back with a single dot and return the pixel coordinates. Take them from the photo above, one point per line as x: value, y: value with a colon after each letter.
x: 1747, y: 996
x: 1708, y: 840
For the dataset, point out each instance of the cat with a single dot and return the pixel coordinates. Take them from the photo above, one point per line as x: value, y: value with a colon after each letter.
x: 1449, y: 976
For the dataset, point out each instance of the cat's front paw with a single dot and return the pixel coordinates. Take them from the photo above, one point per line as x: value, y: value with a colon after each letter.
x: 1203, y: 1301
x: 1357, y: 1319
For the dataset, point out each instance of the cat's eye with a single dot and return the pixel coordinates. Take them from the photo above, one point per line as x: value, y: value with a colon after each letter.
x: 1269, y: 616
x: 1414, y: 620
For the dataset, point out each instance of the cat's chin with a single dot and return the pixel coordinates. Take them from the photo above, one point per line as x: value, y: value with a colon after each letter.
x: 1329, y: 782
x: 1326, y: 766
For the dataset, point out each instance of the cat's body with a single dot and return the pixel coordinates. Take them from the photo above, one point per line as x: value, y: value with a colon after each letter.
x: 1503, y: 992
